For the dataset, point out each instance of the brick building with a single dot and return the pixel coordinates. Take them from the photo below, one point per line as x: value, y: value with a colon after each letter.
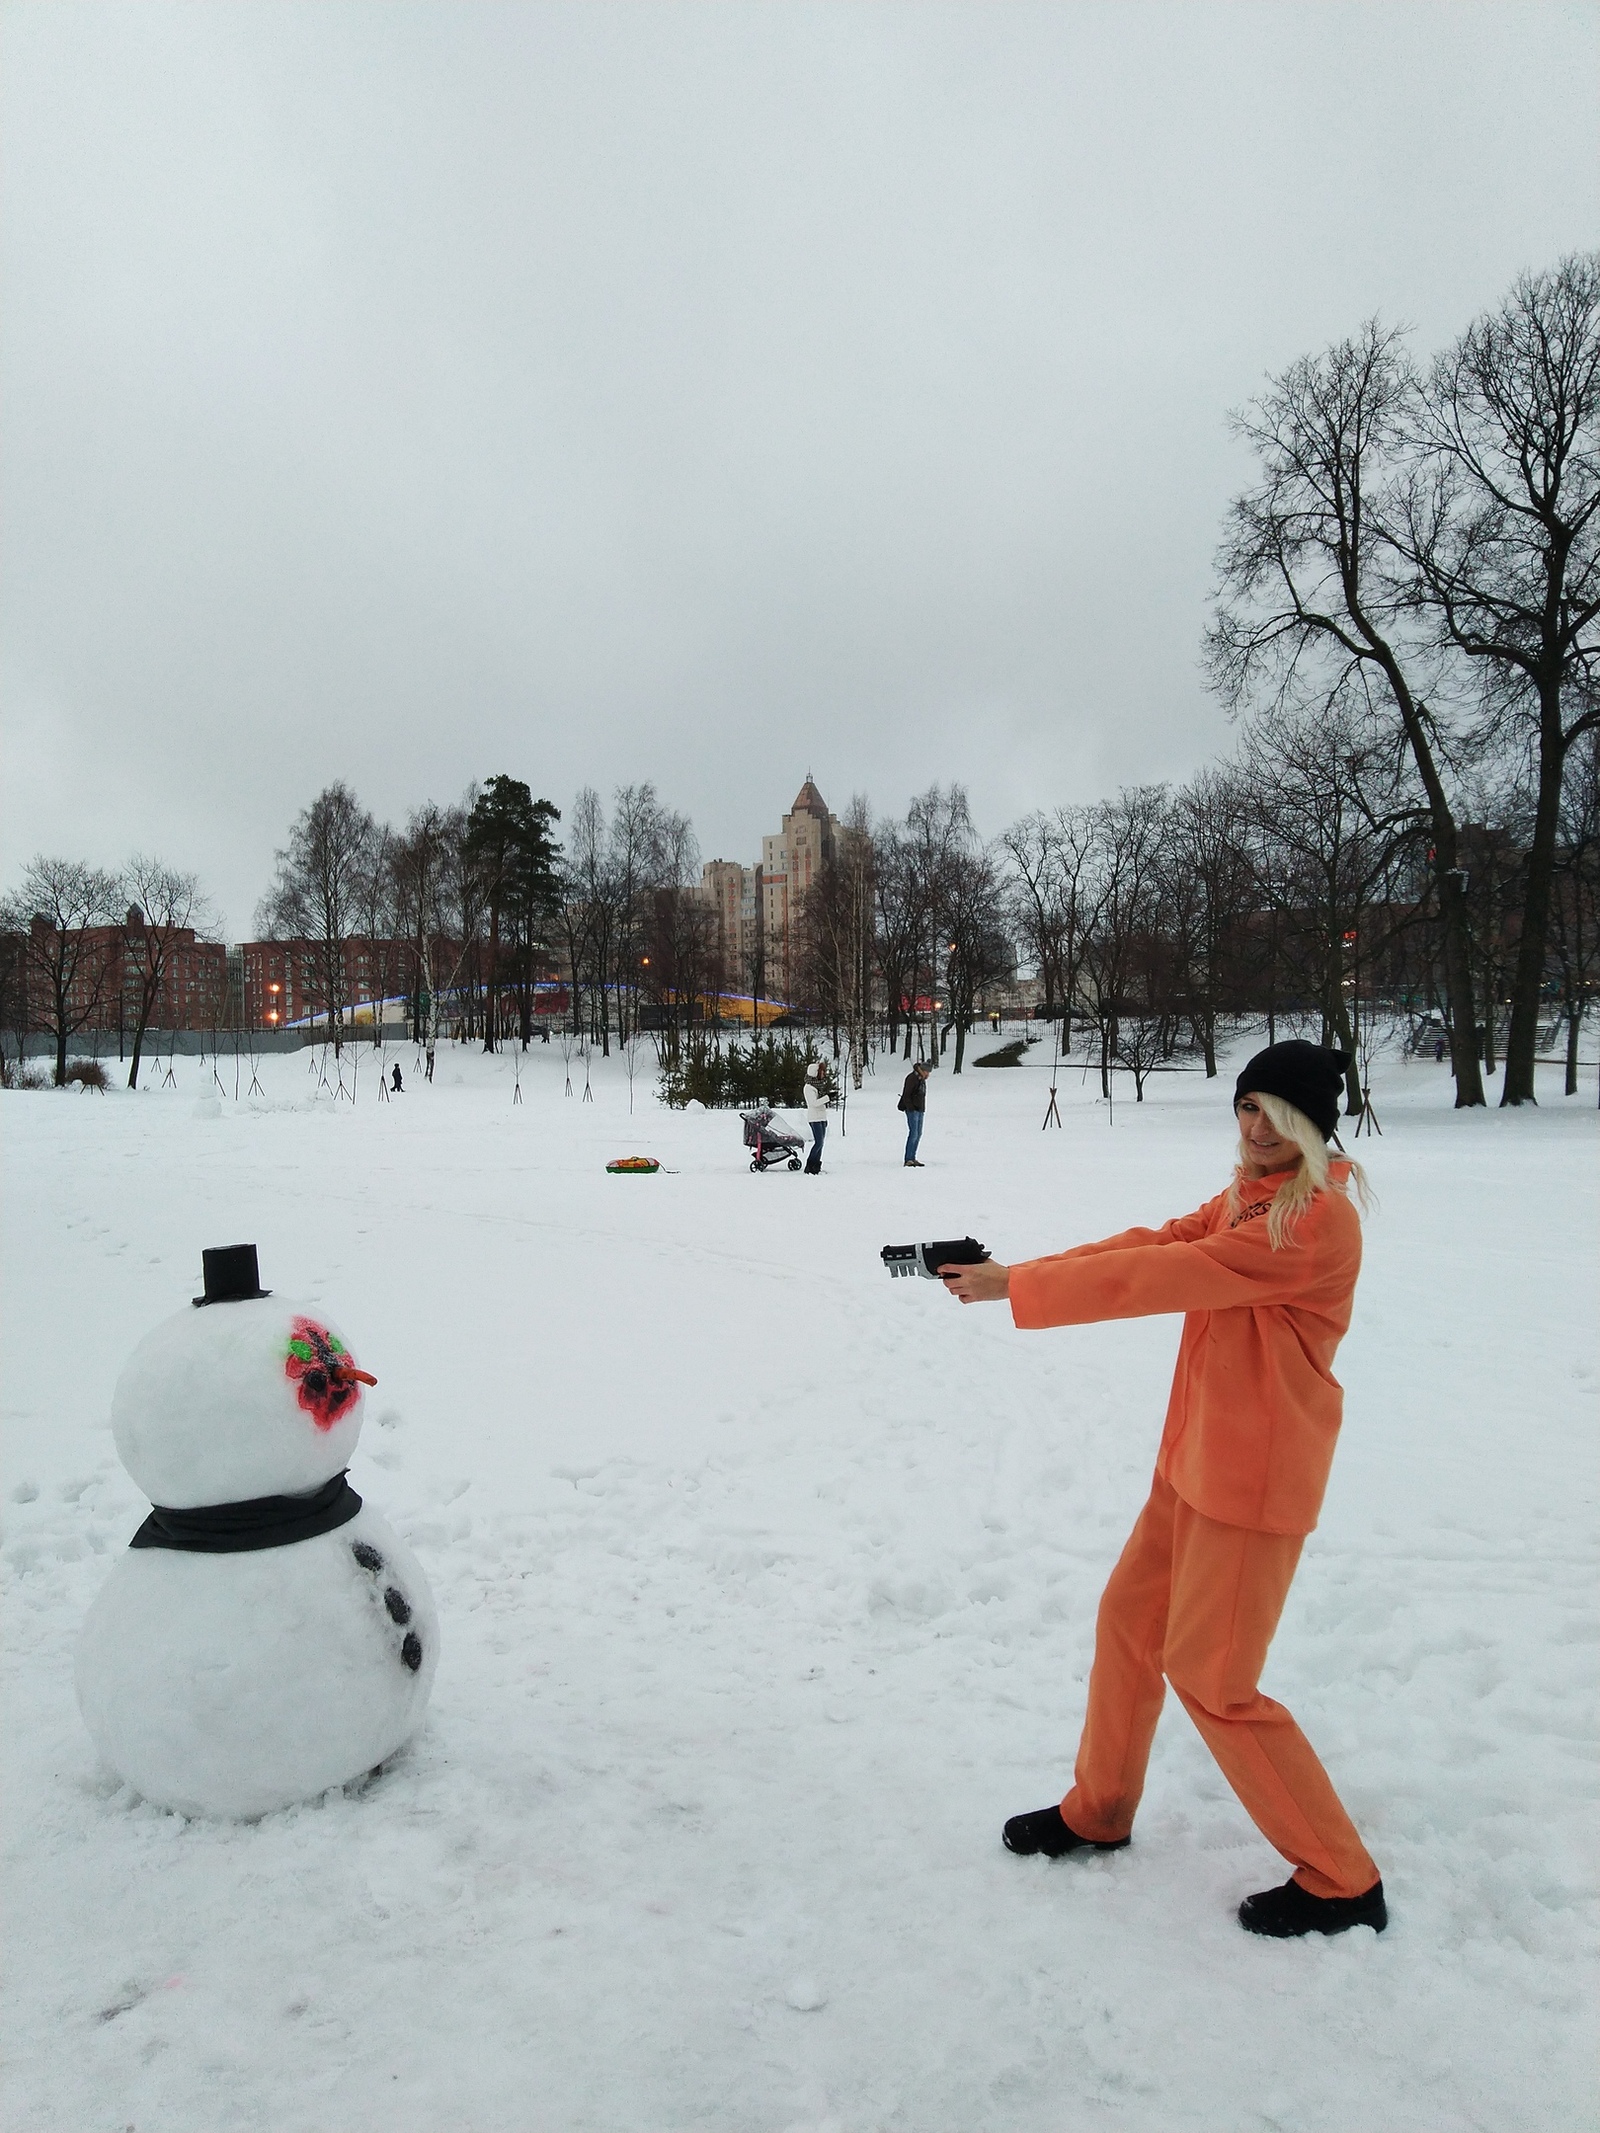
x: 108, y: 976
x: 283, y: 981
x: 260, y: 985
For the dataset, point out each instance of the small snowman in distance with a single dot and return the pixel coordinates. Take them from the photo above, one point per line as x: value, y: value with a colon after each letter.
x: 266, y: 1635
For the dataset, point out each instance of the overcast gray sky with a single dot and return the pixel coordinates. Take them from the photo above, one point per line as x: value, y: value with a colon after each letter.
x: 704, y: 393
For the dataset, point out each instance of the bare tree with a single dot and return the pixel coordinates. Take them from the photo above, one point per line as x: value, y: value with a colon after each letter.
x: 421, y: 861
x: 1208, y: 896
x: 1044, y: 858
x: 1496, y: 807
x: 1504, y: 532
x: 466, y: 922
x: 836, y: 936
x: 1073, y: 829
x: 381, y: 927
x: 163, y: 902
x: 900, y: 928
x: 633, y: 860
x: 1316, y: 597
x: 1333, y: 825
x: 1575, y: 903
x: 938, y: 833
x: 586, y: 917
x: 58, y: 913
x: 318, y: 892
x: 977, y: 943
x: 677, y: 932
x: 1121, y: 976
x: 14, y: 1014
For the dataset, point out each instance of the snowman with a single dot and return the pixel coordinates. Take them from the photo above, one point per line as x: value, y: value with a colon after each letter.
x: 266, y: 1635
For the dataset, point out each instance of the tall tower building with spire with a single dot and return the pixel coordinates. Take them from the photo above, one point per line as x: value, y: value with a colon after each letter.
x: 790, y: 863
x: 758, y: 908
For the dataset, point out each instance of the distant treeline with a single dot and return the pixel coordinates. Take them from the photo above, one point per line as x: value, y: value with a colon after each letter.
x: 1408, y: 826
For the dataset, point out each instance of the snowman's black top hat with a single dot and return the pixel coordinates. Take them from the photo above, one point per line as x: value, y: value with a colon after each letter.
x: 231, y: 1274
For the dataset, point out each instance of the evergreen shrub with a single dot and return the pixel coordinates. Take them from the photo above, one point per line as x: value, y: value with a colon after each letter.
x: 1008, y: 1055
x: 766, y: 1073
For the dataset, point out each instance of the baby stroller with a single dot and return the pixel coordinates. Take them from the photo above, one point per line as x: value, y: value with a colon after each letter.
x: 768, y: 1142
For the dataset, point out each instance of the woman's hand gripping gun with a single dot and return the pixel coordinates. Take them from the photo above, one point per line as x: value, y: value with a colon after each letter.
x: 961, y: 1263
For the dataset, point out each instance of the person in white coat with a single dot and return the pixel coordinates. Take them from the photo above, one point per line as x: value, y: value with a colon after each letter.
x: 816, y: 1114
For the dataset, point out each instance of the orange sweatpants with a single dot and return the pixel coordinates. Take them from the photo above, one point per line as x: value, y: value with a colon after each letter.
x: 1197, y: 1603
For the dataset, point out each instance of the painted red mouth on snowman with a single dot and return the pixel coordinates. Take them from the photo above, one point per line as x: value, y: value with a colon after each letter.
x: 326, y: 1380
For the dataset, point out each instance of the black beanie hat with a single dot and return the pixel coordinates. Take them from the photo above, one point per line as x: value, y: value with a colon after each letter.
x: 1309, y: 1076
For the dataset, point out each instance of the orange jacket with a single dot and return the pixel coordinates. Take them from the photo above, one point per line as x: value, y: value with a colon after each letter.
x: 1255, y: 1407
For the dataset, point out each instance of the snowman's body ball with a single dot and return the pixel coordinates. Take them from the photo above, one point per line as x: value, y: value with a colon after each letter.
x: 233, y: 1683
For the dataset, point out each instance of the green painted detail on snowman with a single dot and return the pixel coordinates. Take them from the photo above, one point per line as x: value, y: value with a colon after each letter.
x: 305, y: 1352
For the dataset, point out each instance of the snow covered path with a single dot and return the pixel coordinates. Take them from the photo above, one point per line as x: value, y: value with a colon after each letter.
x: 767, y: 1591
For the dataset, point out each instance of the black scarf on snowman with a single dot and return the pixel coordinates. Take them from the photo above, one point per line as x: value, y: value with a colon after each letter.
x: 260, y: 1522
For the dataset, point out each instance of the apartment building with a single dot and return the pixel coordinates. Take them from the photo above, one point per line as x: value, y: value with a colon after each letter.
x: 733, y: 891
x: 790, y: 862
x: 109, y: 964
x: 283, y: 980
x: 761, y: 904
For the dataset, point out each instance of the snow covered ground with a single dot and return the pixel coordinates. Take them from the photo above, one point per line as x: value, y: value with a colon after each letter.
x: 767, y: 1589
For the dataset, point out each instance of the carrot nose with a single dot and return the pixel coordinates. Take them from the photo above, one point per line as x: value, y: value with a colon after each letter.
x: 346, y: 1372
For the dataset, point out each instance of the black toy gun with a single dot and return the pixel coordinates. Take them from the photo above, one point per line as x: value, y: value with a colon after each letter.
x: 906, y: 1260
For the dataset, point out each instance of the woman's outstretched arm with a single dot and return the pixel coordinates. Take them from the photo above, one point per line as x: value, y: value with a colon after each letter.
x: 988, y: 1281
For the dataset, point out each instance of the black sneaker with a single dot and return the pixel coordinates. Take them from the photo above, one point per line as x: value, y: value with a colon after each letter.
x: 1286, y: 1913
x: 1044, y: 1831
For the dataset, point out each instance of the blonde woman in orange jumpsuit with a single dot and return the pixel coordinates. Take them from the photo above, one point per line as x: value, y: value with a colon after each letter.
x: 1264, y: 1274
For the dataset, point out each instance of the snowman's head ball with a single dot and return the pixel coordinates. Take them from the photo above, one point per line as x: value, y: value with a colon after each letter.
x: 251, y: 1398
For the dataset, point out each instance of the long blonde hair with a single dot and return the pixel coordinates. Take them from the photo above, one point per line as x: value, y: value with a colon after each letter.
x: 1302, y: 1185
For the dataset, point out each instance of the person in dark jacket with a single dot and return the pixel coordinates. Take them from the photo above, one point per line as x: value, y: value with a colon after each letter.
x: 914, y: 1103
